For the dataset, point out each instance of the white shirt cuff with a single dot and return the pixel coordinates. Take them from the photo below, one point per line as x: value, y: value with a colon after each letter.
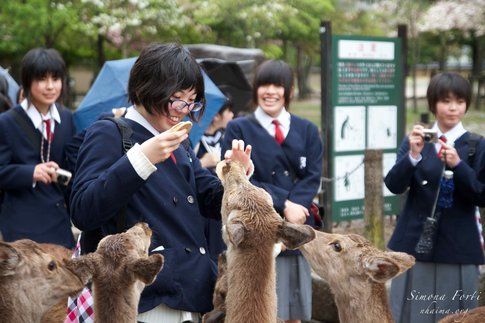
x: 415, y: 161
x: 143, y: 167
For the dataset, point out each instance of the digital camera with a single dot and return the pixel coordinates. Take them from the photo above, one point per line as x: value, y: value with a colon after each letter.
x: 430, y: 135
x: 63, y: 176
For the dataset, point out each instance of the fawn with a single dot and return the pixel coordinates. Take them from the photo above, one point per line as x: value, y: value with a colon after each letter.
x: 121, y: 268
x: 356, y: 272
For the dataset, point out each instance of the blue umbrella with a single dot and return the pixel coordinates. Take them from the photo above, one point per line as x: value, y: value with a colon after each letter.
x: 110, y: 91
x: 13, y: 87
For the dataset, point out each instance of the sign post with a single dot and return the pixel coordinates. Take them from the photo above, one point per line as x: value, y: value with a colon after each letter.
x: 365, y: 112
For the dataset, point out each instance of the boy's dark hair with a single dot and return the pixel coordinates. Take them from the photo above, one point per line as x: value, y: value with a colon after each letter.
x: 159, y: 72
x: 40, y: 62
x: 274, y: 72
x: 443, y: 84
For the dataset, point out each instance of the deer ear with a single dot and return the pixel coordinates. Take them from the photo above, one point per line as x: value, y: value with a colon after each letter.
x: 235, y: 232
x: 222, y: 168
x: 9, y: 259
x: 146, y: 269
x: 295, y: 235
x: 388, y: 265
x: 85, y: 266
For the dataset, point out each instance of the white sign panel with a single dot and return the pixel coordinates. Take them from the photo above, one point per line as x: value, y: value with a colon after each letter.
x: 349, y: 128
x: 365, y: 49
x: 382, y: 127
x: 349, y: 172
x: 388, y: 160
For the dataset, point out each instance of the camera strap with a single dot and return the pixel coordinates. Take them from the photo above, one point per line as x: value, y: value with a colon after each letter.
x: 433, y: 210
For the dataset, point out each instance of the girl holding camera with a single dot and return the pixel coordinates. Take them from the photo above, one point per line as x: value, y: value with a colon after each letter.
x: 445, y: 277
x: 33, y: 137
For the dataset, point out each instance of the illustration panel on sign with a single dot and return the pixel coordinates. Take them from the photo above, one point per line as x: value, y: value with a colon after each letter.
x: 382, y: 127
x: 349, y: 174
x: 349, y: 128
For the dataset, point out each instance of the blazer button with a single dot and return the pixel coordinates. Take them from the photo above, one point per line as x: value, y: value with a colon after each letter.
x: 202, y: 250
x: 175, y: 200
x: 287, y: 173
x: 188, y: 250
x: 190, y: 199
x: 273, y: 173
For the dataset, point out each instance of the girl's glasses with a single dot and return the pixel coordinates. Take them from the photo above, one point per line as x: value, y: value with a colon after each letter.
x: 181, y: 104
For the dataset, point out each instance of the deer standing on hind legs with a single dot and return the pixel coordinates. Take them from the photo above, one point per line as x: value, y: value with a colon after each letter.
x: 33, y: 280
x: 251, y: 227
x: 356, y: 272
x: 121, y: 268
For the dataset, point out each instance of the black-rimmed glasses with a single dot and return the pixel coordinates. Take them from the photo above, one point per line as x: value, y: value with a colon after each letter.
x: 181, y: 104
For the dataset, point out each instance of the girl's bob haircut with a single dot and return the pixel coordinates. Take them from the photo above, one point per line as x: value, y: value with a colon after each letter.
x: 159, y: 72
x: 274, y: 72
x: 39, y: 63
x: 443, y: 84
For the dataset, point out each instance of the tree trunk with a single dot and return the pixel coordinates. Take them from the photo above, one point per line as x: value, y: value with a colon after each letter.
x: 100, y: 50
x: 302, y: 71
x: 443, y: 53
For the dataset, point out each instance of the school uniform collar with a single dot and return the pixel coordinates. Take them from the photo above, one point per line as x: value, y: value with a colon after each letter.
x: 266, y: 120
x: 133, y: 114
x: 453, y: 134
x: 35, y: 115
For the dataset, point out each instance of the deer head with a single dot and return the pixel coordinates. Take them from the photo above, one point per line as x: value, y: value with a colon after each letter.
x: 33, y: 278
x: 336, y: 257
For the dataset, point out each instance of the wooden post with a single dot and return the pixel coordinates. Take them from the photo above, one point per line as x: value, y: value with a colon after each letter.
x: 326, y: 118
x: 374, y: 200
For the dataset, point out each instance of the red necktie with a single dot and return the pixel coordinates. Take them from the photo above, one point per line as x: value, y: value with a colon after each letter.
x: 443, y: 139
x: 48, y: 130
x: 173, y: 158
x: 278, y: 133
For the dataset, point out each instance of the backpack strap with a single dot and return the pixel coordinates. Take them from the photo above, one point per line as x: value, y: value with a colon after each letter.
x: 27, y: 127
x: 125, y: 130
x: 473, y: 141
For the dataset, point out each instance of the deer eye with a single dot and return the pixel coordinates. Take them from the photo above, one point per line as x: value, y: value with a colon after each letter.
x: 52, y: 265
x: 336, y: 246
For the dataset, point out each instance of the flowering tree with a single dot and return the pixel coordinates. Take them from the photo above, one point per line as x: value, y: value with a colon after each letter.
x: 465, y: 16
x: 129, y: 24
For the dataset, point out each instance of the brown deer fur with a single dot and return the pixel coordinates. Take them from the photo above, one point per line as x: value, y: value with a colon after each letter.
x: 476, y: 315
x: 356, y: 272
x: 251, y: 229
x: 57, y: 313
x: 218, y: 314
x: 121, y: 268
x: 33, y: 280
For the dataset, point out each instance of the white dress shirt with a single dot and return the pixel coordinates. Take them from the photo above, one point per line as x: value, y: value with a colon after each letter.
x: 267, y: 121
x: 37, y: 118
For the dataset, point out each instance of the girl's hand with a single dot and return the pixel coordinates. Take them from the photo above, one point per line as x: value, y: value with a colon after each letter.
x: 449, y: 155
x: 295, y: 213
x: 416, y: 141
x: 241, y: 155
x: 45, y: 172
x: 158, y: 148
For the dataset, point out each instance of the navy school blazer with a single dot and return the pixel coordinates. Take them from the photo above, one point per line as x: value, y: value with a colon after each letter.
x: 172, y: 201
x: 300, y: 153
x: 38, y: 213
x: 458, y: 239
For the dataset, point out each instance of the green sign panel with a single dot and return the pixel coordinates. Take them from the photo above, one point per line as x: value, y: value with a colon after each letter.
x: 366, y: 110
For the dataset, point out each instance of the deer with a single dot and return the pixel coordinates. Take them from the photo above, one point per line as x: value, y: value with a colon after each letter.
x: 476, y: 315
x: 34, y: 278
x: 356, y: 272
x: 251, y: 228
x: 120, y: 269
